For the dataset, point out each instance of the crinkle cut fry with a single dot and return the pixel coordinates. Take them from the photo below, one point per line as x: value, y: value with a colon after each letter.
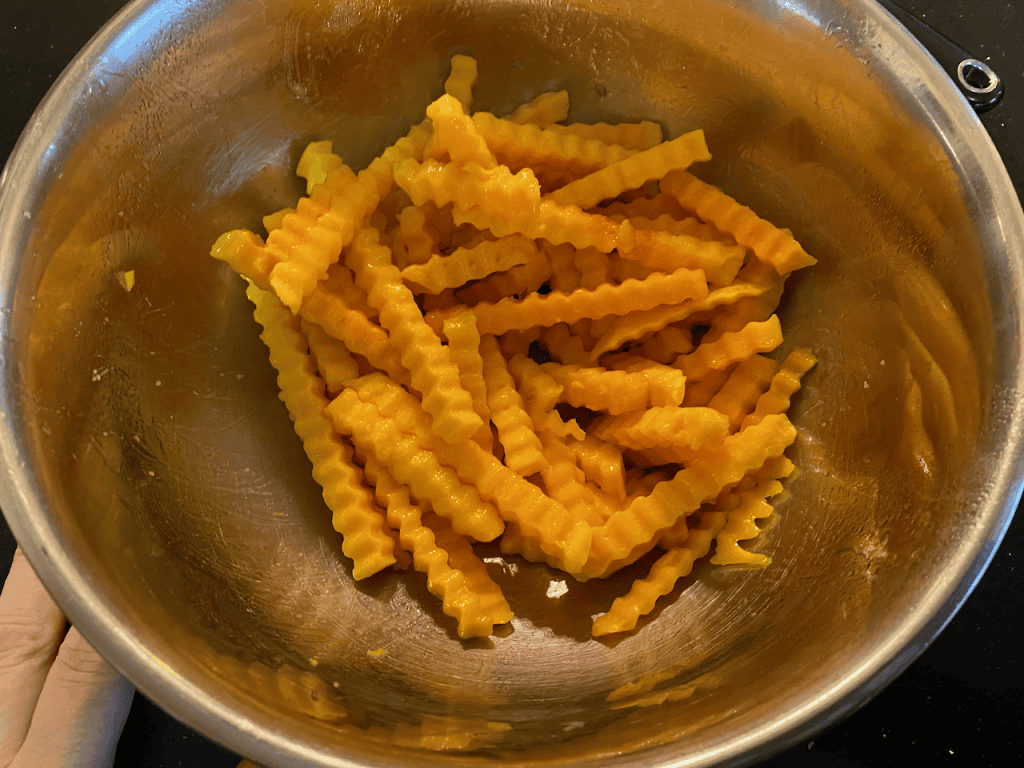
x: 626, y: 534
x: 246, y: 253
x: 406, y: 458
x: 745, y: 385
x: 461, y: 80
x: 785, y: 383
x: 666, y: 426
x: 594, y: 267
x: 355, y: 330
x: 540, y: 393
x: 690, y: 226
x: 640, y: 323
x: 518, y: 342
x: 666, y: 571
x: 330, y: 311
x: 666, y: 386
x: 496, y: 191
x: 601, y: 462
x: 515, y: 542
x: 721, y: 261
x: 544, y: 110
x: 659, y: 455
x: 549, y: 309
x: 455, y: 135
x: 302, y: 264
x: 537, y: 388
x: 274, y: 220
x: 341, y: 282
x: 641, y: 482
x: 563, y: 346
x: 316, y: 162
x: 749, y: 309
x: 416, y: 241
x: 568, y: 224
x: 380, y: 173
x: 564, y: 481
x: 382, y: 485
x: 600, y: 389
x: 776, y: 468
x: 464, y: 342
x: 464, y: 265
x: 431, y: 369
x: 717, y: 355
x: 517, y: 281
x: 519, y: 145
x: 635, y: 171
x: 647, y: 207
x: 741, y: 525
x: 306, y: 242
x: 524, y: 453
x: 364, y: 537
x: 549, y: 221
x: 333, y: 360
x: 565, y: 541
x: 771, y: 244
x: 493, y: 608
x: 454, y: 573
x: 666, y: 345
x: 701, y: 391
x: 637, y: 136
x: 565, y: 275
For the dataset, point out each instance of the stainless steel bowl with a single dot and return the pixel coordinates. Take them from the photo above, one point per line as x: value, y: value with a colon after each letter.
x: 152, y: 477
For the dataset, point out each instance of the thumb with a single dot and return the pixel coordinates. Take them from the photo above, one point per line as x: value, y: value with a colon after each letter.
x: 80, y: 713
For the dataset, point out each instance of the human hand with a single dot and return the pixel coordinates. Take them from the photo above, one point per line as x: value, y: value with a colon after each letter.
x: 61, y: 704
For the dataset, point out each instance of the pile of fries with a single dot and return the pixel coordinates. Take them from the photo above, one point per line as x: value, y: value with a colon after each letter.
x: 552, y: 334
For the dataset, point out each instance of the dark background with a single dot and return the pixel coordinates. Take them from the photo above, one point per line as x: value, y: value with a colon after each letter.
x: 959, y: 704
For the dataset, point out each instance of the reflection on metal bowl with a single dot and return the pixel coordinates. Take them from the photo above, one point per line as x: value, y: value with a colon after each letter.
x: 156, y: 484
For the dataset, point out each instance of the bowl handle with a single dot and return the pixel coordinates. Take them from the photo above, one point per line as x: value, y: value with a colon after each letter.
x: 976, y: 80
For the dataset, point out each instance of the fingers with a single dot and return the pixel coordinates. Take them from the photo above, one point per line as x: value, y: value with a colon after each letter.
x: 80, y: 712
x: 31, y: 629
x: 58, y: 708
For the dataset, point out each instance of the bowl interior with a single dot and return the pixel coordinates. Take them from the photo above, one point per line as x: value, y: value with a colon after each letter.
x: 166, y: 497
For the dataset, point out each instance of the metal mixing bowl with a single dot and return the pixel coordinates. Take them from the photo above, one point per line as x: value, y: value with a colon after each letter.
x: 152, y: 477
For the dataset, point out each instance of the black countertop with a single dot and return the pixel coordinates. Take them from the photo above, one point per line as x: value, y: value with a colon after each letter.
x: 958, y: 705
